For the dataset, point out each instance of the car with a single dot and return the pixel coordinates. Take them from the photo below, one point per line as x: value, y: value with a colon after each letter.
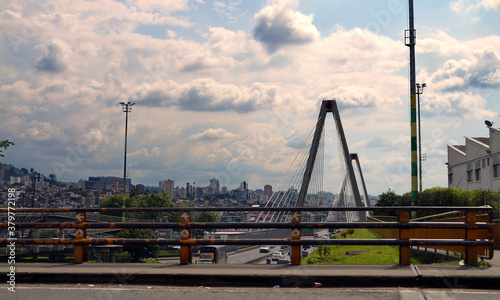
x: 316, y: 235
x: 283, y: 261
x: 304, y: 253
x: 265, y: 249
x: 276, y: 256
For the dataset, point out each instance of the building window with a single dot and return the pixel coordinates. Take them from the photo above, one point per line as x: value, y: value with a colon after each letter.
x: 450, y: 176
x: 496, y: 167
x: 484, y: 162
x: 478, y: 170
x: 469, y: 172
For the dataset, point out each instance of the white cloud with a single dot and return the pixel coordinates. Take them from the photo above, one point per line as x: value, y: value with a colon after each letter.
x: 212, y: 134
x: 478, y: 71
x: 351, y: 97
x: 468, y: 5
x: 163, y: 6
x: 279, y: 24
x: 492, y: 4
x: 463, y: 5
x: 144, y: 153
x: 464, y: 105
x: 41, y: 131
x: 208, y: 95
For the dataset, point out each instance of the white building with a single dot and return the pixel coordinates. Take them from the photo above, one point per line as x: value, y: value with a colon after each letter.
x: 167, y: 187
x: 15, y: 179
x: 475, y: 165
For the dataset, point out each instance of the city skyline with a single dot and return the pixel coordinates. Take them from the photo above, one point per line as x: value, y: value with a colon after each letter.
x: 230, y: 89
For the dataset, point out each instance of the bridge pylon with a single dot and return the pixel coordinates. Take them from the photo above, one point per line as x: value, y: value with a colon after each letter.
x: 330, y: 106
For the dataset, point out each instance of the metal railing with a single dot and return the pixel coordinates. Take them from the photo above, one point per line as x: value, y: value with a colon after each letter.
x: 477, y: 238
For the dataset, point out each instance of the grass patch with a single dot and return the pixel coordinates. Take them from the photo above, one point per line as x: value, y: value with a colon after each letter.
x: 360, y: 254
x: 122, y: 257
x: 168, y: 252
x: 42, y: 260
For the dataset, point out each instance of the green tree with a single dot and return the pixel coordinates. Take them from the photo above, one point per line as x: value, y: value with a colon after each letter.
x: 176, y: 216
x: 389, y: 198
x: 140, y: 251
x: 154, y: 200
x: 205, y: 217
x: 323, y: 252
x: 4, y: 145
x: 117, y: 201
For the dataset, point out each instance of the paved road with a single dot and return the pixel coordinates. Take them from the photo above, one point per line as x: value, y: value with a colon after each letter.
x: 111, y: 292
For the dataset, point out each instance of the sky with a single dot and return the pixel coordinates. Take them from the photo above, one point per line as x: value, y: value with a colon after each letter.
x: 231, y: 88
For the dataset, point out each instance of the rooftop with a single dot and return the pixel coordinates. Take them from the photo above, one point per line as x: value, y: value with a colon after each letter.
x: 483, y: 140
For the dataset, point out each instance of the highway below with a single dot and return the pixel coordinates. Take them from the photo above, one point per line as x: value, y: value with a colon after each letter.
x: 245, y: 256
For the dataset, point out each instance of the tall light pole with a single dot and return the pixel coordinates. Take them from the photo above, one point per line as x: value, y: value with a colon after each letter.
x: 126, y: 107
x: 420, y: 90
x: 410, y: 37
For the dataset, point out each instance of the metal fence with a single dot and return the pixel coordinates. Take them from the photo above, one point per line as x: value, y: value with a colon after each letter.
x: 475, y: 237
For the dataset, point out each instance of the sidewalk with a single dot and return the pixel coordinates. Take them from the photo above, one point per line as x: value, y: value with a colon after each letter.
x: 429, y: 276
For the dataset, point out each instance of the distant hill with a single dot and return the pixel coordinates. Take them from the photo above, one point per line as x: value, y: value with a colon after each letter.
x: 10, y: 170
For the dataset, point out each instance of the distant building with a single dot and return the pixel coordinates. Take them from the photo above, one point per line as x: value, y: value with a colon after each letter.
x: 167, y: 187
x: 268, y: 191
x: 15, y: 179
x: 108, y: 182
x: 475, y: 165
x: 243, y: 186
x: 182, y: 192
x: 81, y: 184
x: 214, y: 185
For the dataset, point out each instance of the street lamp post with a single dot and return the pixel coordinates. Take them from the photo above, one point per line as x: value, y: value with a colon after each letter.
x: 126, y: 107
x: 420, y: 90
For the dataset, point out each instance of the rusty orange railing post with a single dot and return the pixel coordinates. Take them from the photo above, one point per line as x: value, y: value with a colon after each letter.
x: 186, y: 254
x: 81, y: 251
x: 404, y: 234
x: 295, y: 254
x: 471, y: 235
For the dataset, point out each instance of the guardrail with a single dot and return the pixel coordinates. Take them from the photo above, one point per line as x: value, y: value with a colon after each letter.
x: 477, y: 239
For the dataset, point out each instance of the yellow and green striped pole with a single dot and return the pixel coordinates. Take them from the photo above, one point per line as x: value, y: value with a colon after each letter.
x: 413, y: 105
x: 414, y: 154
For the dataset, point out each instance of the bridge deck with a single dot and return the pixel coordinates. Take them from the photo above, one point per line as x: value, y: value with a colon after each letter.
x: 443, y: 276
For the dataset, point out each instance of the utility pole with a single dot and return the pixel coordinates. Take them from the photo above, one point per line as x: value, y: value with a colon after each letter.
x: 420, y: 90
x: 410, y: 37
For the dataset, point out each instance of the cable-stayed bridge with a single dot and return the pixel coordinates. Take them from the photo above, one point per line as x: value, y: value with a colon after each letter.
x: 319, y: 176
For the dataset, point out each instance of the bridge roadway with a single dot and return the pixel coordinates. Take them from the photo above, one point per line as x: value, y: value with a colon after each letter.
x: 263, y: 275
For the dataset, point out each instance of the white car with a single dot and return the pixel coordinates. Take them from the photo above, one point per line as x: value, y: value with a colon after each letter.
x: 276, y: 256
x: 265, y: 249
